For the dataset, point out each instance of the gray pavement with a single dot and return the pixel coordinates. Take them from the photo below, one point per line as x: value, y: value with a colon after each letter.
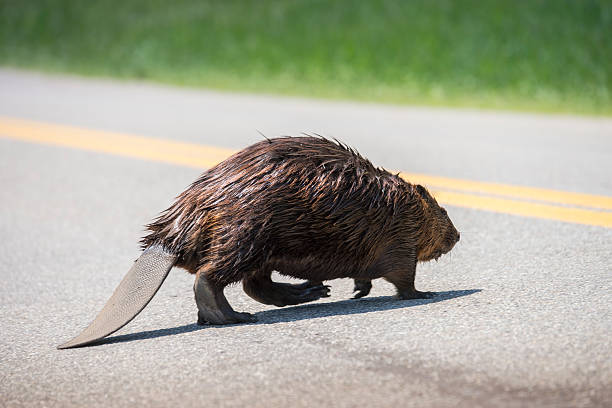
x: 523, y: 317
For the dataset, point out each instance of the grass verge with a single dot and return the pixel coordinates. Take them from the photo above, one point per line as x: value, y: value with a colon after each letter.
x: 542, y: 55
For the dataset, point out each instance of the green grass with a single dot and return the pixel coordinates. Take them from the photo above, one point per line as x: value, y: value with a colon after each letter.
x: 553, y: 56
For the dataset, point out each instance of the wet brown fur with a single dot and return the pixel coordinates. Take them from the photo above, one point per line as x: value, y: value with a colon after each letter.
x: 303, y: 206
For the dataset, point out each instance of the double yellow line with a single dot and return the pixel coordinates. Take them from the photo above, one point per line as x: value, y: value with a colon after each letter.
x: 577, y: 208
x: 564, y: 206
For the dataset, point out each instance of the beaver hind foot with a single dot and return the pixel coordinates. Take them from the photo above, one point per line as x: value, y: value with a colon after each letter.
x: 213, y: 307
x: 264, y: 290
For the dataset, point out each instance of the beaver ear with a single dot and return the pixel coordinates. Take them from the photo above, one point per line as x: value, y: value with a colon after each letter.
x: 422, y: 190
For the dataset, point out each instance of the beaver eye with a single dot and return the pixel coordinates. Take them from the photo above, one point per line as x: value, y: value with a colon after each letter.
x: 444, y: 211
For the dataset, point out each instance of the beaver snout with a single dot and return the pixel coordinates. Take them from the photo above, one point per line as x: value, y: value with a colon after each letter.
x: 452, y: 237
x: 456, y: 237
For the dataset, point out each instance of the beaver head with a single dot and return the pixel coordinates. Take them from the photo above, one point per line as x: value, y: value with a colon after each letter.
x: 438, y: 235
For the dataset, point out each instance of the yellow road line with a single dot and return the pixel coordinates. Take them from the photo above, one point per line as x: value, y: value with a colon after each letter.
x: 529, y: 193
x: 525, y: 208
x: 200, y: 156
x: 186, y: 154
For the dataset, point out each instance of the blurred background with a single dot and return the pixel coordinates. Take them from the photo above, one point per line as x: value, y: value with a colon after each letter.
x: 538, y: 55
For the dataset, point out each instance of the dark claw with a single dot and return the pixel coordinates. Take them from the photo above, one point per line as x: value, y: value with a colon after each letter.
x: 248, y: 318
x: 320, y: 291
x: 360, y: 294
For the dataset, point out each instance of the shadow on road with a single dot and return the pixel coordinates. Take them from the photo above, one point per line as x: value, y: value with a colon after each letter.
x: 303, y: 312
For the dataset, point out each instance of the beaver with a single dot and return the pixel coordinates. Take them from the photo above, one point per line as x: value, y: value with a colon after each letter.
x: 307, y: 207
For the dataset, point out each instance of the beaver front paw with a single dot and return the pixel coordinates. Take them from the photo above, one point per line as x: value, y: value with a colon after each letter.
x: 415, y: 294
x: 362, y: 287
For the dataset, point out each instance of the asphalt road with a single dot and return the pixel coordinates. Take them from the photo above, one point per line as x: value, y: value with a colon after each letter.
x: 523, y: 316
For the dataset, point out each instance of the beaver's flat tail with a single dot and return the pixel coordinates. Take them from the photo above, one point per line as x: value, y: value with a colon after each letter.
x: 134, y: 292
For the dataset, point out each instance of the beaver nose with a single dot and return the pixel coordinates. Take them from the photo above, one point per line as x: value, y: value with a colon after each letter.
x: 458, y: 236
